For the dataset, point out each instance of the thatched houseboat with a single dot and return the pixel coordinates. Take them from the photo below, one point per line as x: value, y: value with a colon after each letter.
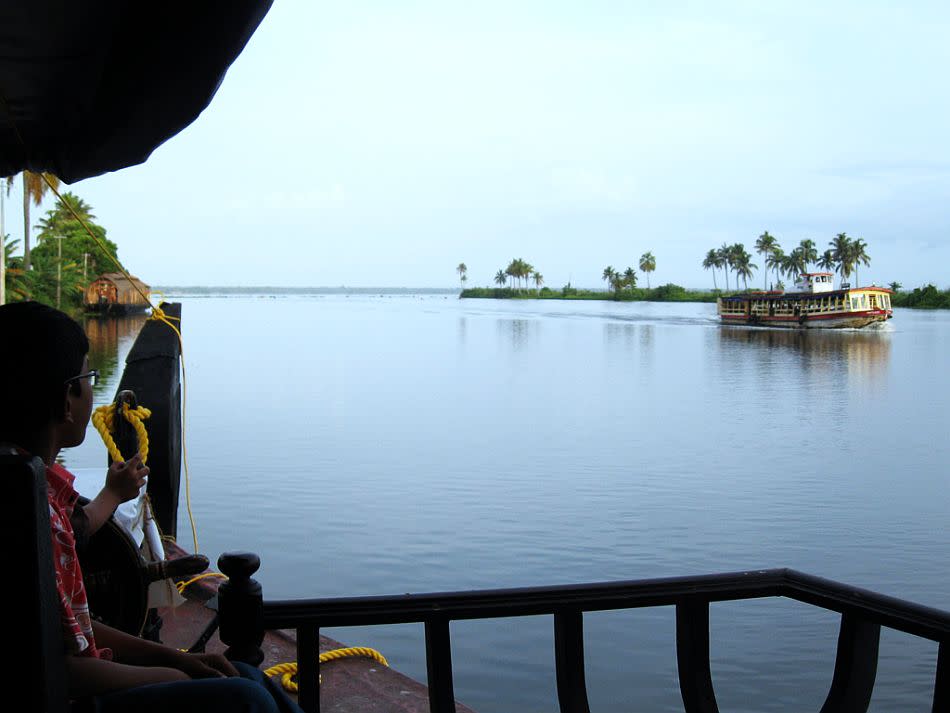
x: 115, y: 293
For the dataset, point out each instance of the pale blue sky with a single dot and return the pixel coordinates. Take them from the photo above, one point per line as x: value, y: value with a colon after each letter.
x: 366, y: 144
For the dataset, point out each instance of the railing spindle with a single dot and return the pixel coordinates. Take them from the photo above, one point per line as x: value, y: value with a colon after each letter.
x: 692, y: 656
x: 439, y: 666
x: 855, y: 666
x: 942, y: 679
x: 569, y: 661
x: 308, y: 668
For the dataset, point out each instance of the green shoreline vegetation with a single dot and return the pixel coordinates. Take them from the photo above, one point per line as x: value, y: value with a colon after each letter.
x: 663, y: 293
x: 927, y: 297
x: 845, y: 256
x: 65, y: 259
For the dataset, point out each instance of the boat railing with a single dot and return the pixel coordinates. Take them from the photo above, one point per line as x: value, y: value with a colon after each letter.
x: 863, y: 613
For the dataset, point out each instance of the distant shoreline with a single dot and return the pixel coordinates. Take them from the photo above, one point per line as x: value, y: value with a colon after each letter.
x: 663, y: 293
x: 927, y: 297
x: 268, y: 290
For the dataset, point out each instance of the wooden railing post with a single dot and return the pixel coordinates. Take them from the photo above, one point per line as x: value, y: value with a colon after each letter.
x: 569, y: 661
x: 855, y: 666
x: 439, y: 666
x: 308, y: 668
x: 692, y: 656
x: 942, y: 679
x: 241, y: 608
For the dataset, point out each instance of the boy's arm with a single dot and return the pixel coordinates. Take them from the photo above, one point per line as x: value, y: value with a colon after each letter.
x: 89, y: 676
x: 138, y: 663
x: 123, y: 482
x: 128, y: 649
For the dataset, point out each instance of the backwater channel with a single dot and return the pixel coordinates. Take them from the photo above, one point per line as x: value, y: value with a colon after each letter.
x: 390, y: 444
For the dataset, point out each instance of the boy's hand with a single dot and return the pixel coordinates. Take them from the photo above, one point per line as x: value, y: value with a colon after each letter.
x: 125, y: 480
x: 206, y: 666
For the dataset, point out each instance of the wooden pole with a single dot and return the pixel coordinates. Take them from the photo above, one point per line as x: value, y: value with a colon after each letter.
x: 152, y: 372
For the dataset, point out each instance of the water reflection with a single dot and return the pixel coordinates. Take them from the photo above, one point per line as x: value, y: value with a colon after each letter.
x: 519, y: 331
x: 632, y: 338
x: 616, y: 333
x: 864, y: 354
x: 106, y: 336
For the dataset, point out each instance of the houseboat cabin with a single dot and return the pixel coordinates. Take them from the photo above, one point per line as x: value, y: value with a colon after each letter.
x: 814, y: 303
x: 114, y: 293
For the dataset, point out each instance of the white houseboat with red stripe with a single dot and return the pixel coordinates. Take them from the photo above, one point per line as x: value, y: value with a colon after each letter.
x: 814, y: 303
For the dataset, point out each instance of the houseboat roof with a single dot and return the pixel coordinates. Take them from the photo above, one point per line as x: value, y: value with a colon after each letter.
x: 117, y: 278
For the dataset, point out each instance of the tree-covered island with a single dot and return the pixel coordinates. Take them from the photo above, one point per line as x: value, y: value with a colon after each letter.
x: 844, y: 255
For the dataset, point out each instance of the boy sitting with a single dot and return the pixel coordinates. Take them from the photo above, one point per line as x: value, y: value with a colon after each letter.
x: 47, y: 402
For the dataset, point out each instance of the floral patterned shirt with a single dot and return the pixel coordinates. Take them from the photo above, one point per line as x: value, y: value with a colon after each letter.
x: 74, y: 608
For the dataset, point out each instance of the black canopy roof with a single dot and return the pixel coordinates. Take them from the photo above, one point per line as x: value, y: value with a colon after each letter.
x: 90, y: 86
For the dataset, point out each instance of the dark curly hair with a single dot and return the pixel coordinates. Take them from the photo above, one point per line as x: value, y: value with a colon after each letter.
x: 40, y: 348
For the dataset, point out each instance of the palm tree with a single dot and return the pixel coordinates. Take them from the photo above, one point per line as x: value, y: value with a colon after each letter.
x: 859, y: 256
x: 738, y: 257
x: 841, y: 252
x: 794, y: 263
x: 742, y: 262
x: 630, y: 277
x: 55, y: 219
x: 462, y: 270
x: 711, y: 262
x: 500, y: 277
x: 34, y: 188
x: 776, y: 261
x: 538, y: 279
x: 895, y: 286
x: 512, y: 270
x: 827, y: 260
x: 617, y: 283
x: 766, y: 245
x: 526, y: 270
x: 608, y: 276
x: 809, y: 253
x: 725, y: 262
x: 647, y: 265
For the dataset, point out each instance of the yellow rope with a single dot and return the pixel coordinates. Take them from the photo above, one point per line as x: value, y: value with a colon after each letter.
x: 103, y: 418
x: 288, y: 671
x: 183, y: 585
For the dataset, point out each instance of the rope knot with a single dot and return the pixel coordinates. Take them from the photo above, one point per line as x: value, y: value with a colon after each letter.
x: 103, y: 419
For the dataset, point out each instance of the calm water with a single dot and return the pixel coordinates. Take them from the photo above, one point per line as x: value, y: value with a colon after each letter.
x: 371, y: 445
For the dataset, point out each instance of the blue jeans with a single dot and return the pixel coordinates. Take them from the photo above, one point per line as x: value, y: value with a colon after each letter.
x: 250, y: 693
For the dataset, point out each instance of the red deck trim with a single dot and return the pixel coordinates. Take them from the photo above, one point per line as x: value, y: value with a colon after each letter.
x: 808, y: 317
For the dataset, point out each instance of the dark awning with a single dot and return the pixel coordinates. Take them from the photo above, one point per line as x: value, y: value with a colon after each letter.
x: 96, y: 85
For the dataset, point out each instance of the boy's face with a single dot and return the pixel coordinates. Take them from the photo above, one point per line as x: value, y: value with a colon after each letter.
x: 78, y: 409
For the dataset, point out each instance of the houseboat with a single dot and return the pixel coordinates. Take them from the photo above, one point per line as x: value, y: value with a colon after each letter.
x: 814, y: 303
x: 114, y: 293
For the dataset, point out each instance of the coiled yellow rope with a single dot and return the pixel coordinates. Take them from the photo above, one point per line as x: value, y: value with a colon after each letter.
x: 103, y: 419
x: 288, y: 671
